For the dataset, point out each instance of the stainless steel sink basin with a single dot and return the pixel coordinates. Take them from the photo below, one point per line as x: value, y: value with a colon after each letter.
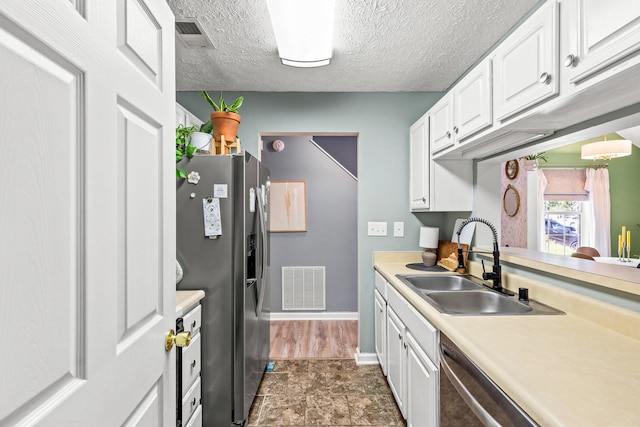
x: 476, y: 302
x: 439, y: 282
x: 466, y: 296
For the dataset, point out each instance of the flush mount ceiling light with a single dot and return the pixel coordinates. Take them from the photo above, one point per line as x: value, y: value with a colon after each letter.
x: 304, y: 31
x: 605, y: 150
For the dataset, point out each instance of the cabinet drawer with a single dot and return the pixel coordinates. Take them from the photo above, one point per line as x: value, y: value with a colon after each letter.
x: 196, y: 418
x: 191, y: 400
x: 192, y: 320
x: 190, y: 363
x: 381, y: 285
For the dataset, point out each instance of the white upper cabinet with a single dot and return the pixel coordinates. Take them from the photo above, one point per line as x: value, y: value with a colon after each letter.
x: 440, y: 131
x: 419, y: 164
x: 599, y: 35
x: 463, y: 111
x: 472, y: 102
x: 526, y: 64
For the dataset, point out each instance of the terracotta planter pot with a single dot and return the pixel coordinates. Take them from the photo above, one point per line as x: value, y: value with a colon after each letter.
x: 225, y: 123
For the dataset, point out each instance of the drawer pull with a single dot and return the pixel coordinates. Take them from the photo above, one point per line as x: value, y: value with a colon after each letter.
x: 193, y: 364
x: 193, y: 402
x: 193, y: 325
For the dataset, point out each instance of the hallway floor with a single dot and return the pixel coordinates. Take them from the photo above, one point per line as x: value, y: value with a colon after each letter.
x: 325, y: 392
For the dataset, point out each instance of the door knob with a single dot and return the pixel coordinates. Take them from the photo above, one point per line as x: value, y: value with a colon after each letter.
x: 182, y: 339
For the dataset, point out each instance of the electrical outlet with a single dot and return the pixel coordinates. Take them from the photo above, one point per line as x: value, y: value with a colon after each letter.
x: 398, y: 229
x: 377, y: 229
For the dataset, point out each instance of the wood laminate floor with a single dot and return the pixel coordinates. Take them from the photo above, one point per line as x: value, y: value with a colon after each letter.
x: 305, y: 339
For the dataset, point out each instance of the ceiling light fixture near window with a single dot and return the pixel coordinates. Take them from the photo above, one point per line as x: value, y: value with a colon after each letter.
x: 303, y: 30
x: 605, y: 150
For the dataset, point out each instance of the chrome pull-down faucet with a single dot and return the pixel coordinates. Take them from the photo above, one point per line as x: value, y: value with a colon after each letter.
x: 496, y: 274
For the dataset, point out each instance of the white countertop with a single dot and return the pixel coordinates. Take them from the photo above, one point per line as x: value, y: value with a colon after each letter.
x: 185, y: 300
x: 578, y: 369
x: 632, y: 262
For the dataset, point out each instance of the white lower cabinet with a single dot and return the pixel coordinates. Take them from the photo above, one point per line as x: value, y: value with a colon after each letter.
x: 407, y: 344
x: 189, y: 371
x: 380, y: 322
x: 422, y: 387
x: 396, y: 359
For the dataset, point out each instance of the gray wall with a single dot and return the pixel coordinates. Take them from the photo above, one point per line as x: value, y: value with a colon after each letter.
x: 331, y: 237
x: 382, y: 121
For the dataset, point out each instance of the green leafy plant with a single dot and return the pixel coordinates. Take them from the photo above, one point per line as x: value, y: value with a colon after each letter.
x: 207, y: 128
x: 539, y: 156
x: 183, y: 146
x: 221, y: 105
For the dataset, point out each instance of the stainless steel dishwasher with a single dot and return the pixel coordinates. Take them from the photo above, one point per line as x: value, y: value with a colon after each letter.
x: 469, y: 398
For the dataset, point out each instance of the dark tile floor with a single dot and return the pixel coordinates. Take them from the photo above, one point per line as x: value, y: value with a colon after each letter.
x: 321, y: 392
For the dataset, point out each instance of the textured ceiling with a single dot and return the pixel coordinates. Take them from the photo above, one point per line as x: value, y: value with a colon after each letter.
x: 379, y: 45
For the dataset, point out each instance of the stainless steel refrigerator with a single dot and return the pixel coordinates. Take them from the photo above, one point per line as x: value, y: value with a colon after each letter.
x: 223, y: 248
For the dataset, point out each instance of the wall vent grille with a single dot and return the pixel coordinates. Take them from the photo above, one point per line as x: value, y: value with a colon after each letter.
x: 189, y: 31
x: 303, y: 288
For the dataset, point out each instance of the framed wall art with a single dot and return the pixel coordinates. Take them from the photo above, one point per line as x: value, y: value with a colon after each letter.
x: 288, y: 206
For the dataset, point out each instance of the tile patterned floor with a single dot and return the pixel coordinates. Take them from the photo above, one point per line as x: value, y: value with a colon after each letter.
x: 321, y: 392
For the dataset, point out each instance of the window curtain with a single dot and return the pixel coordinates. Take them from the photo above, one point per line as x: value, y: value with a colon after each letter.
x: 542, y: 185
x: 597, y: 184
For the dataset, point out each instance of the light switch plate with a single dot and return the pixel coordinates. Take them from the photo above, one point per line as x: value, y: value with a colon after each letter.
x: 398, y: 229
x: 377, y: 228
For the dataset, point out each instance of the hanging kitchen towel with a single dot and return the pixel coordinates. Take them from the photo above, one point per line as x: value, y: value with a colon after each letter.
x: 212, y: 222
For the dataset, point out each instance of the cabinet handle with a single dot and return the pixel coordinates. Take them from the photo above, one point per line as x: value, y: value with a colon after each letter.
x: 570, y: 60
x: 193, y: 325
x: 424, y: 200
x: 448, y: 134
x: 455, y: 129
x: 193, y: 402
x: 399, y: 336
x: 405, y: 345
x: 193, y: 364
x: 545, y: 78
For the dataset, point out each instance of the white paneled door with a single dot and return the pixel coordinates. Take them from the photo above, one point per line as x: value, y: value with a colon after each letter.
x: 87, y: 212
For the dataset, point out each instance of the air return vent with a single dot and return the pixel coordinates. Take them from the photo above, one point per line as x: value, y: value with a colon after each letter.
x: 190, y: 32
x: 303, y: 288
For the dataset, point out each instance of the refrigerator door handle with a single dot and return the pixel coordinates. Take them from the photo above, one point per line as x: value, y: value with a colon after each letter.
x: 263, y: 252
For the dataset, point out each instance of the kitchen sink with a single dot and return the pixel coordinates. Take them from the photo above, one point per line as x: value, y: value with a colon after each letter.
x: 439, y: 282
x: 464, y: 295
x: 476, y: 302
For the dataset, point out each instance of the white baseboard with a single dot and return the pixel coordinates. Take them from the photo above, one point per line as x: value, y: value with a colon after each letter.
x: 365, y: 358
x: 322, y: 315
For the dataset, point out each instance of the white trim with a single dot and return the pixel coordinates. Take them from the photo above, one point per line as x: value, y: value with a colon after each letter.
x: 365, y: 358
x: 346, y: 315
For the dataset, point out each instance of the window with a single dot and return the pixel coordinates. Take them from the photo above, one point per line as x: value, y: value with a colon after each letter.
x: 566, y: 211
x: 563, y: 223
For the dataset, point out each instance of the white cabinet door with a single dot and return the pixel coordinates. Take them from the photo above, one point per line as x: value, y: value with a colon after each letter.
x: 88, y: 219
x: 441, y: 124
x: 526, y: 64
x: 396, y: 355
x: 380, y: 323
x: 422, y: 387
x: 600, y: 34
x: 419, y: 164
x: 472, y: 102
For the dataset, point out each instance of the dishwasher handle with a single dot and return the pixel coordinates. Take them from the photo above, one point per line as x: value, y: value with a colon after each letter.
x: 466, y: 395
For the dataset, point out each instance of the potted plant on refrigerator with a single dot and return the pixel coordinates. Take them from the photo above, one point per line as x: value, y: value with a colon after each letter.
x: 202, y: 138
x: 224, y: 118
x: 183, y: 146
x: 531, y: 161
